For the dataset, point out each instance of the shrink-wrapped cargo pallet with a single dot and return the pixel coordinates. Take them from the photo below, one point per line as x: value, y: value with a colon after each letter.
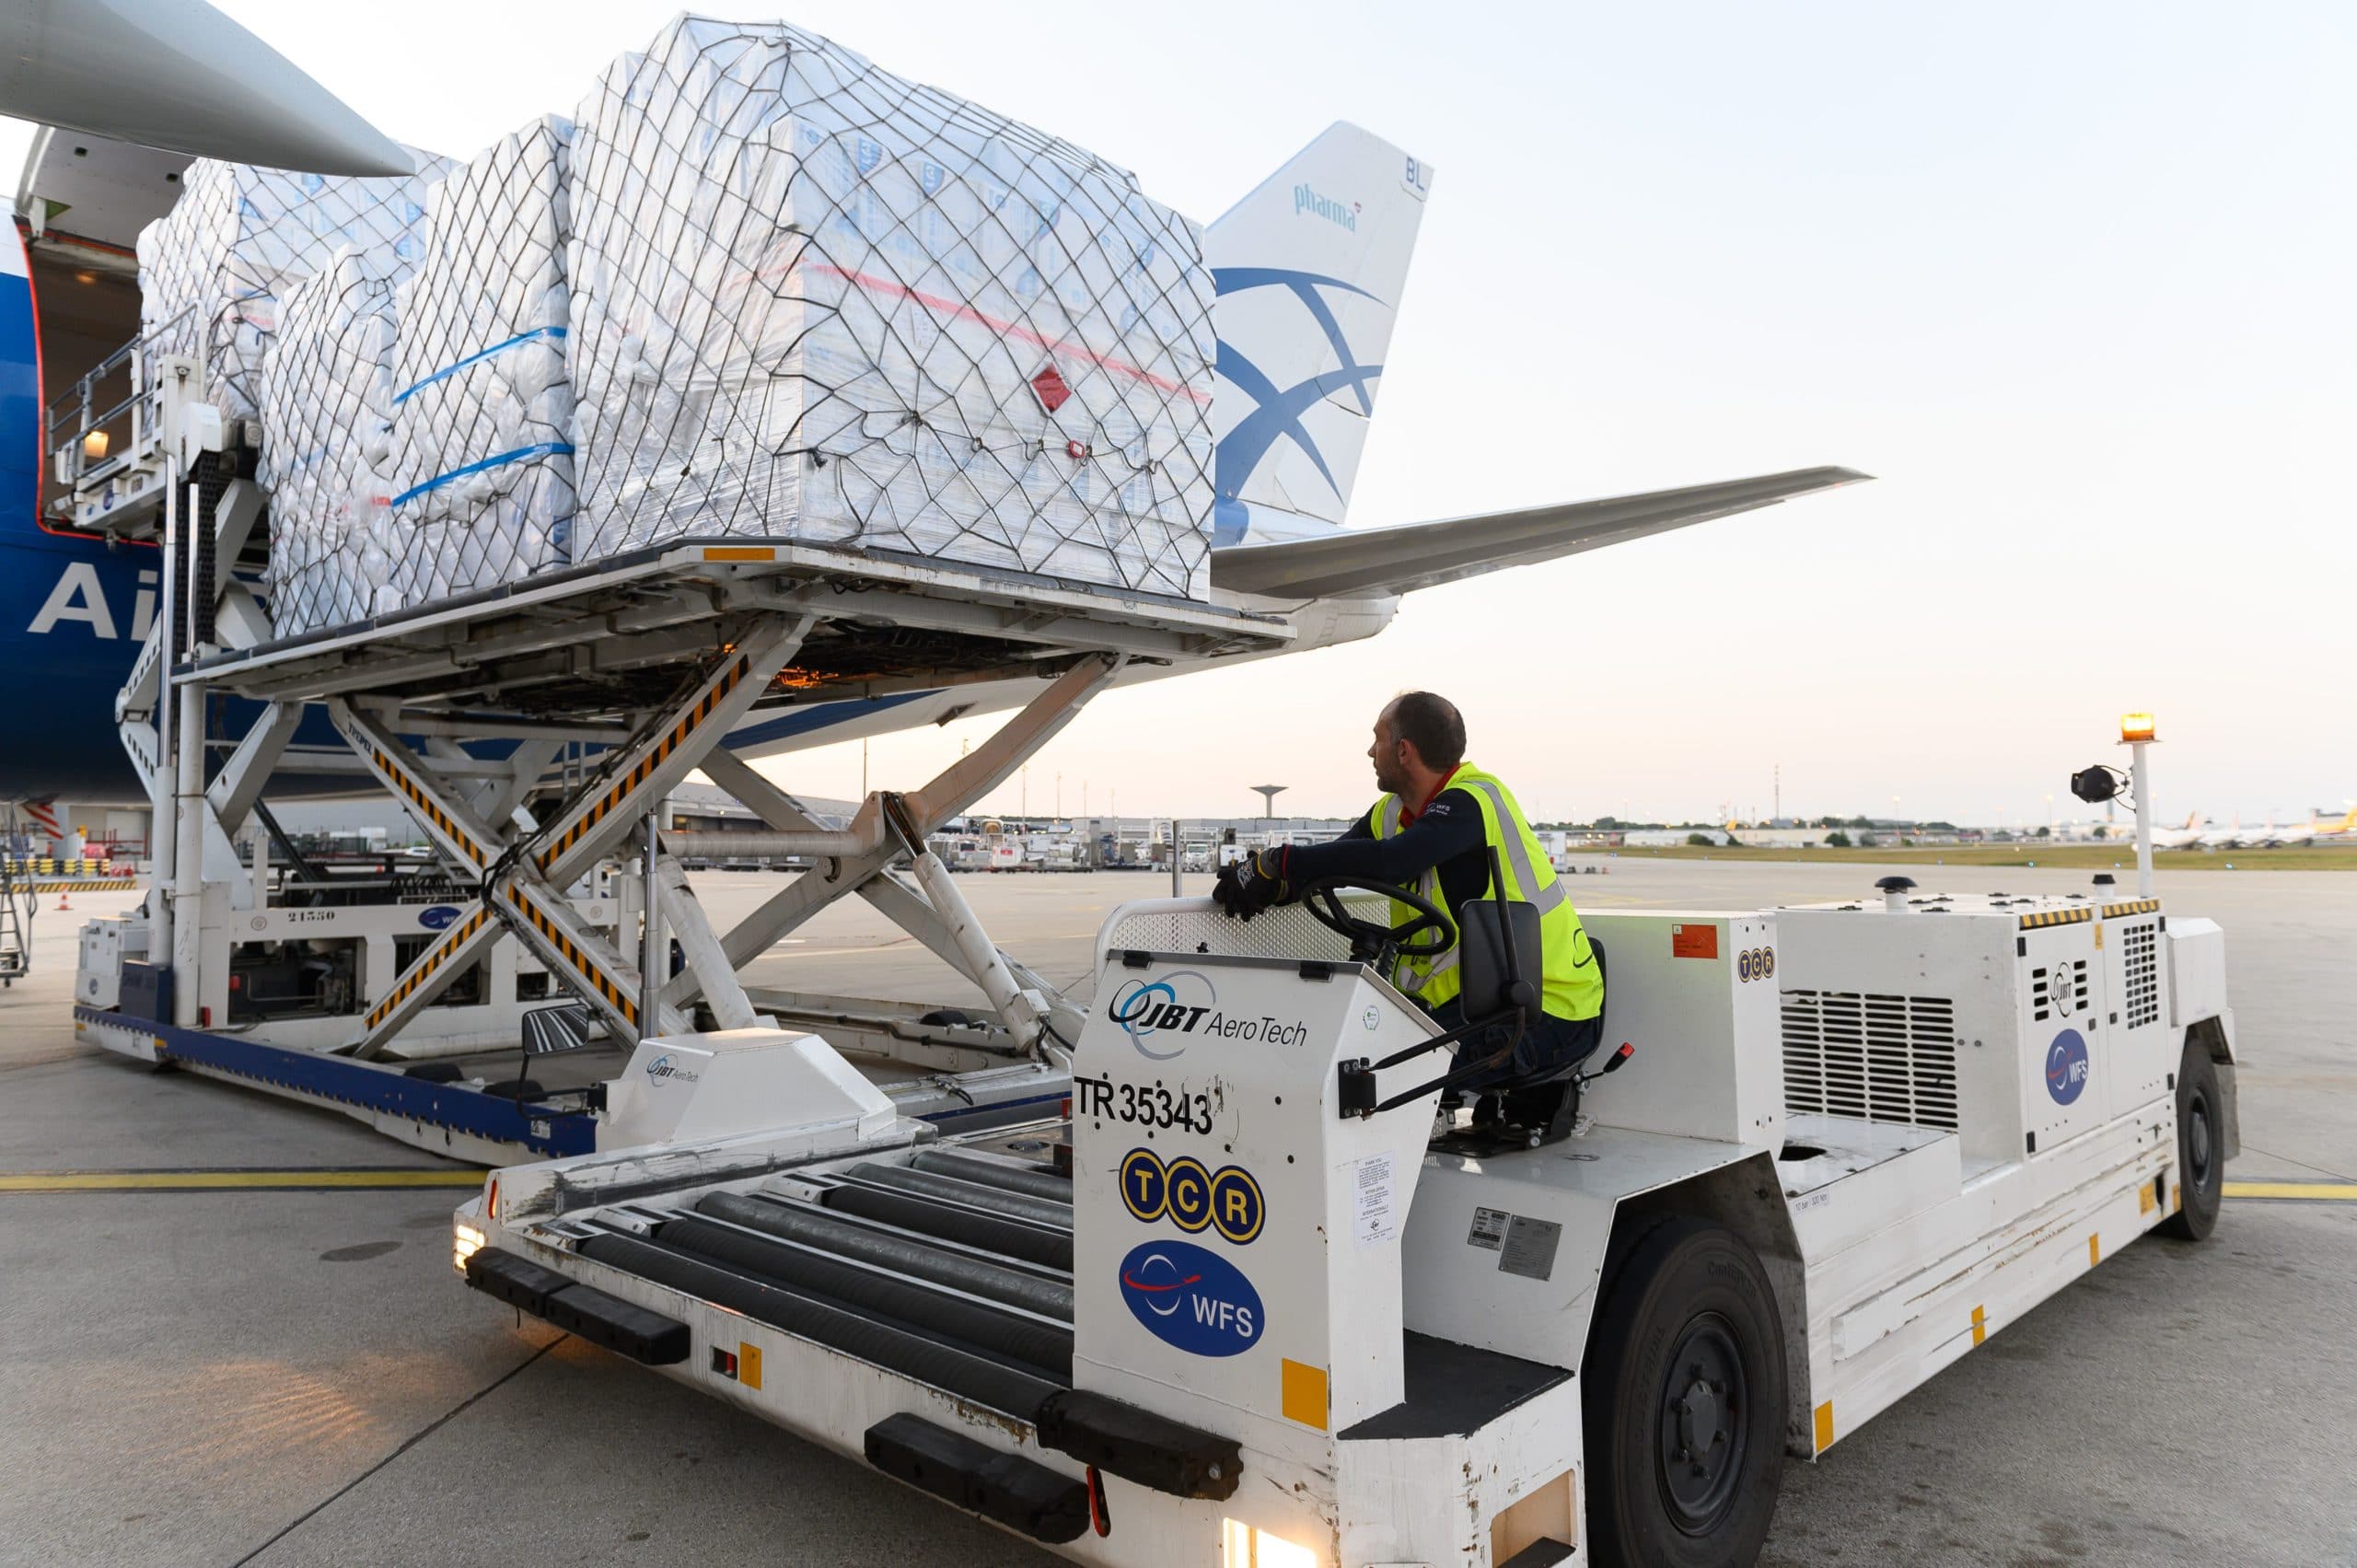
x: 482, y: 410
x: 813, y: 300
x: 213, y: 271
x: 327, y: 449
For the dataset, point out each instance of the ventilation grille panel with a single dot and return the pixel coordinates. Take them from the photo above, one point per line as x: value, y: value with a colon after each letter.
x: 2142, y: 958
x: 1871, y: 1058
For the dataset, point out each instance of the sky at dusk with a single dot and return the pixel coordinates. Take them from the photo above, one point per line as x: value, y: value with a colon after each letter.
x: 2074, y: 282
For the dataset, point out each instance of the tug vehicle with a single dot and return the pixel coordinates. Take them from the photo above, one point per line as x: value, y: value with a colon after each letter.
x: 1260, y: 1295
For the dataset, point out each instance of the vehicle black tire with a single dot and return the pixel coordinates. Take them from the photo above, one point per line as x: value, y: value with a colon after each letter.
x: 2201, y: 1147
x: 1684, y: 1403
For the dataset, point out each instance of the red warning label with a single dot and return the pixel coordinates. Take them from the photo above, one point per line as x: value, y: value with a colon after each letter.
x: 1693, y: 941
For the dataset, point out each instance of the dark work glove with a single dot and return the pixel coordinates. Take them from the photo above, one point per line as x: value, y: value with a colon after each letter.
x: 1253, y: 884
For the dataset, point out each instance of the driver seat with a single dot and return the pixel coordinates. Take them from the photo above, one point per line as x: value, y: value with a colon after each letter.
x: 1545, y: 1100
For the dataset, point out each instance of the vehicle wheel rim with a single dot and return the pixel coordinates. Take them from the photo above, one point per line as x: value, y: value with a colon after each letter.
x: 2198, y: 1141
x: 1702, y: 1412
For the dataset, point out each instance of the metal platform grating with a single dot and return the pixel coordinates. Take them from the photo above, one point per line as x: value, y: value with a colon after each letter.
x: 1196, y: 926
x: 1871, y: 1058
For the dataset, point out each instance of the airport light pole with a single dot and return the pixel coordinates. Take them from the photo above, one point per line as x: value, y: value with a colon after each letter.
x: 2136, y: 733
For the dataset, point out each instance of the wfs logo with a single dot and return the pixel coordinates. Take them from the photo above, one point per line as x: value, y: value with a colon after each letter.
x: 1193, y: 1300
x: 1172, y: 1006
x: 663, y: 1069
x: 437, y: 917
x: 1305, y: 200
x: 2066, y: 1066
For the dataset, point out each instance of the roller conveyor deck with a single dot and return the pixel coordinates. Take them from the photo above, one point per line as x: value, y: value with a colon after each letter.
x: 961, y: 1280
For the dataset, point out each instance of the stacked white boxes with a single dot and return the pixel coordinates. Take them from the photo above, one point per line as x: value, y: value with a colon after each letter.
x: 327, y: 449
x: 213, y: 271
x: 813, y: 300
x: 483, y: 410
x: 757, y: 288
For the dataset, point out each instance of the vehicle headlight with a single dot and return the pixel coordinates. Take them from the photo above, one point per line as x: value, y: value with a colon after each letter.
x: 465, y: 1242
x: 1243, y: 1546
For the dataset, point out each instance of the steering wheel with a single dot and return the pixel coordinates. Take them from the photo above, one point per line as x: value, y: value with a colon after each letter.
x: 1323, y: 900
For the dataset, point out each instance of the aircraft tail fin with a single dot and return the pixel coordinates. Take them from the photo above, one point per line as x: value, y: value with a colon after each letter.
x: 1309, y: 270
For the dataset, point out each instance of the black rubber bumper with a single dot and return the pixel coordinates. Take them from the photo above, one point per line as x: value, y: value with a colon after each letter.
x: 1007, y: 1488
x: 1140, y: 1445
x: 580, y: 1310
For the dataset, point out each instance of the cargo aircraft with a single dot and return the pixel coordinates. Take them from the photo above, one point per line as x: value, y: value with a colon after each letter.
x: 1309, y: 269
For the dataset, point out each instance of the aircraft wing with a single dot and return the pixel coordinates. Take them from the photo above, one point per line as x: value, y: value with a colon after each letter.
x: 1371, y: 562
x: 179, y: 75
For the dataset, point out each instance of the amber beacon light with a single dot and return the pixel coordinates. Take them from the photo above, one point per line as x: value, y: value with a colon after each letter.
x: 2134, y: 728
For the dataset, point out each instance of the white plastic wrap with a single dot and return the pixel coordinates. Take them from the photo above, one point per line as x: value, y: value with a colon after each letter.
x: 327, y: 449
x: 213, y: 272
x: 483, y: 410
x: 811, y: 299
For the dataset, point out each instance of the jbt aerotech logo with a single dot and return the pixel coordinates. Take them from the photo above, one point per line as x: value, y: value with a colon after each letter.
x: 1305, y: 200
x: 1167, y: 1008
x: 2067, y: 1068
x: 663, y: 1069
x: 1191, y: 1299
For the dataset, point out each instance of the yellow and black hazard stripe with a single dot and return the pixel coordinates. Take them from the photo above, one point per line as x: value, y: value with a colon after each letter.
x: 575, y: 958
x: 416, y: 795
x: 690, y: 722
x: 2056, y: 917
x: 2133, y: 906
x: 431, y: 959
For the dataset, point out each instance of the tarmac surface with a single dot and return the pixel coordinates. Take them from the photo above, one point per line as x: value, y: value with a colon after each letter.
x: 258, y: 1374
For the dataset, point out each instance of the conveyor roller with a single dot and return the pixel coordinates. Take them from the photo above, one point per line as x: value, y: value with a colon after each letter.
x: 833, y: 1233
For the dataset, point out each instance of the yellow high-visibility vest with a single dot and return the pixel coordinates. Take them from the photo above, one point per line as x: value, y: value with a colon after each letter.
x: 1575, y: 985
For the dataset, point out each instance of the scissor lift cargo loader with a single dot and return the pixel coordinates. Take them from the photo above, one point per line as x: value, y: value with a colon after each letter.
x: 534, y: 731
x: 1250, y: 1302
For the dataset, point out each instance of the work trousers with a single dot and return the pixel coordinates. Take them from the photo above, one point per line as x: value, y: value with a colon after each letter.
x: 1549, y: 1049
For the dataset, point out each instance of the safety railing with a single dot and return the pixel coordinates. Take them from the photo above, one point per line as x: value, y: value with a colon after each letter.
x: 102, y: 435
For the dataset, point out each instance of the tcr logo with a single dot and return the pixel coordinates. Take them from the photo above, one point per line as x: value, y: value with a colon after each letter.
x: 1191, y: 1197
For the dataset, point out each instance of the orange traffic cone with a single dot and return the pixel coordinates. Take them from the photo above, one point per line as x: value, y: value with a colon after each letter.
x: 62, y: 904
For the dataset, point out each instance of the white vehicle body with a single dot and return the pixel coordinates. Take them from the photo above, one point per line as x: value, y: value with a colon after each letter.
x: 1918, y: 1119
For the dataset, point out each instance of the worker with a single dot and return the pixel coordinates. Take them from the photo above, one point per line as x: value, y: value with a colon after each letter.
x: 1434, y: 829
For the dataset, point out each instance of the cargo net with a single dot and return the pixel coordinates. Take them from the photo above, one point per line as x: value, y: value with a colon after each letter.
x: 327, y: 449
x: 812, y: 300
x: 482, y: 418
x: 215, y: 270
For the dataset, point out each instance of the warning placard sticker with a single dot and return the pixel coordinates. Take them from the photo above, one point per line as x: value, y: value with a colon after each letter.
x: 1376, y: 1216
x: 1690, y: 939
